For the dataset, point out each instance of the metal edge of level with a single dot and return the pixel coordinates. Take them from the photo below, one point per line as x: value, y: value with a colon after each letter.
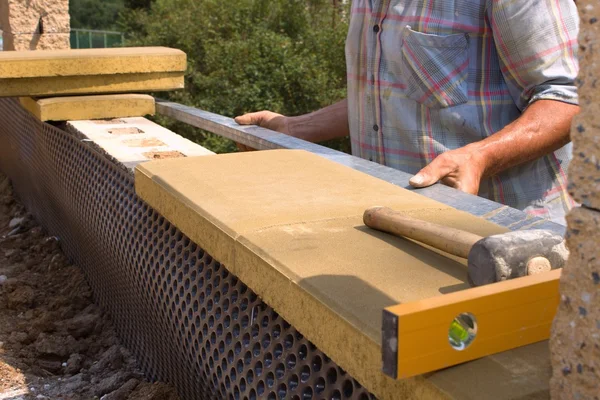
x: 389, y: 344
x: 265, y: 139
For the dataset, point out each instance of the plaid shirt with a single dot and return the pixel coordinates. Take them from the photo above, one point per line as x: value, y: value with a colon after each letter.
x: 427, y: 76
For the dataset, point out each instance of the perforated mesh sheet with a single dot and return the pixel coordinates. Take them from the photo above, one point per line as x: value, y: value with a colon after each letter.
x: 185, y: 317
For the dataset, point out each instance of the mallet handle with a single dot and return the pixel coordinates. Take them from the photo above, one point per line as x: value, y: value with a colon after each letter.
x: 450, y: 240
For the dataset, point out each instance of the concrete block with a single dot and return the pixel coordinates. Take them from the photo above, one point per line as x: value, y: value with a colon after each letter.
x: 31, y: 41
x: 89, y: 107
x: 24, y: 16
x: 86, y: 62
x: 130, y: 141
x: 93, y: 84
x: 575, y: 342
x: 584, y: 169
x: 289, y: 225
x: 91, y: 71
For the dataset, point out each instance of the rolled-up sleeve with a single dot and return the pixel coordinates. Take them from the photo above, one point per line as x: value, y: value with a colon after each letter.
x: 536, y: 42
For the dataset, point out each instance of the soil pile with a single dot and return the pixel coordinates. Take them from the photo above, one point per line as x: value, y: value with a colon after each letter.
x: 55, y: 343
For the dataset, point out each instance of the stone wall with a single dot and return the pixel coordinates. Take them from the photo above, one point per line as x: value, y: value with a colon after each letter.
x: 35, y: 24
x: 575, y: 341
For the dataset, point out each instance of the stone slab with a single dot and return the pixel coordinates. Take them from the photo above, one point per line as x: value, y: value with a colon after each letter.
x: 89, y: 107
x: 31, y: 41
x: 130, y: 141
x: 288, y: 224
x: 91, y: 62
x: 575, y: 340
x: 523, y: 373
x: 91, y: 84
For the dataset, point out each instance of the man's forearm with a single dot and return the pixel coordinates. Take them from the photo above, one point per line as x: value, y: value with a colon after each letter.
x: 543, y: 128
x: 327, y: 123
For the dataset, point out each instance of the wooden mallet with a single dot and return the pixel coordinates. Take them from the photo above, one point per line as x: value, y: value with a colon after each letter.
x: 491, y: 259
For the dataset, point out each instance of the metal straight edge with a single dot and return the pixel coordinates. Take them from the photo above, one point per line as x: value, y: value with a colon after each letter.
x: 265, y: 139
x: 506, y: 315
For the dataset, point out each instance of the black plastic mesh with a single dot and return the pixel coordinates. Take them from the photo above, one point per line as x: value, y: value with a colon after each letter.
x: 185, y: 317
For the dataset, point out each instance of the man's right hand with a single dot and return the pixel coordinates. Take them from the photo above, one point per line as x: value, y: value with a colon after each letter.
x: 264, y: 119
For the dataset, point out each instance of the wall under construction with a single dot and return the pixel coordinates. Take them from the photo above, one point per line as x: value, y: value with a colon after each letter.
x: 186, y: 318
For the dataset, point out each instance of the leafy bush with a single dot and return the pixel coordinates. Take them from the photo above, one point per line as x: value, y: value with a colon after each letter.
x: 246, y: 55
x: 95, y: 14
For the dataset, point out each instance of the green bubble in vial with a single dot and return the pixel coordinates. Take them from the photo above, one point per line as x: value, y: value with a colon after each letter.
x: 462, y: 331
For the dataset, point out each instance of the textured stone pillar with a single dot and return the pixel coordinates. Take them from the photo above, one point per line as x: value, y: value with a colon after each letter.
x: 35, y: 24
x: 575, y: 342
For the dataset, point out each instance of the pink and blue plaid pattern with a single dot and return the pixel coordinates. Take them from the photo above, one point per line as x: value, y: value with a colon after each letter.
x: 427, y: 76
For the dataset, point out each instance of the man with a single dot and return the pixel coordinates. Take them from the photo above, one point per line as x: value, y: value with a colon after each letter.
x: 477, y: 94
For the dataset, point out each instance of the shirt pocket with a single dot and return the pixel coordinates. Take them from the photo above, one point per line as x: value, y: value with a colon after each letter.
x: 435, y: 68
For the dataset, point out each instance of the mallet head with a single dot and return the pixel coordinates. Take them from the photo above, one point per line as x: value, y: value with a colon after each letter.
x: 515, y: 254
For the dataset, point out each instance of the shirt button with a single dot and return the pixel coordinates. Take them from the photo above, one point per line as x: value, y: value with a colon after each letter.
x: 375, y: 128
x: 376, y: 28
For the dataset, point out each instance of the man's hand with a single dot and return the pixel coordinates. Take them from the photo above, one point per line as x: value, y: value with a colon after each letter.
x: 461, y: 169
x: 264, y: 119
x: 325, y: 124
x: 541, y: 129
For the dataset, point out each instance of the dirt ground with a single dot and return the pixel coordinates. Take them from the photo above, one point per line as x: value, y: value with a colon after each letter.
x: 55, y: 343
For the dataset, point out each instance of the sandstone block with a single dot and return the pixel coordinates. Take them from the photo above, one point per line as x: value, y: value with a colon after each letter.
x: 35, y: 16
x: 89, y: 107
x: 77, y: 62
x: 575, y: 342
x: 31, y: 41
x: 584, y: 170
x: 91, y: 71
x: 71, y: 85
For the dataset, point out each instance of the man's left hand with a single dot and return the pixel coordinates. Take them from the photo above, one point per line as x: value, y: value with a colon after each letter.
x: 461, y: 169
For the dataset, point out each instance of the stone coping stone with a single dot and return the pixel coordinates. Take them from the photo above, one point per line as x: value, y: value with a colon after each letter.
x: 289, y: 224
x: 77, y: 62
x: 90, y: 107
x: 47, y: 73
x: 91, y: 84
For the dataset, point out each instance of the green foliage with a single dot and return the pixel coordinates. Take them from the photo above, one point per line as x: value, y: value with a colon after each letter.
x: 95, y: 14
x: 282, y: 55
x: 136, y: 4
